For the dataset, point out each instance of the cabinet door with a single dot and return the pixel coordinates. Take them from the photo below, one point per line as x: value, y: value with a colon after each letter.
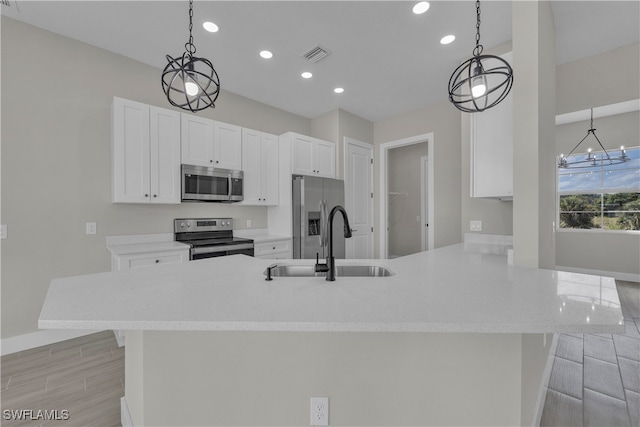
x: 165, y: 155
x: 251, y: 166
x: 492, y: 150
x: 197, y: 140
x: 130, y: 151
x: 270, y: 169
x: 227, y: 146
x: 302, y: 154
x: 325, y: 158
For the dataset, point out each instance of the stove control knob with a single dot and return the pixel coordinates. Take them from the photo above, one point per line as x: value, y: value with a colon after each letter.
x: 189, y: 224
x: 182, y: 225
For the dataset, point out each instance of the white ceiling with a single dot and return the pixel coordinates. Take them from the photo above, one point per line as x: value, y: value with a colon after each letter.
x: 388, y: 60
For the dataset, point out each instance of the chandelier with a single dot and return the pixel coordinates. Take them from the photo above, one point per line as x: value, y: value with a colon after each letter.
x: 482, y: 81
x: 189, y: 82
x: 591, y: 159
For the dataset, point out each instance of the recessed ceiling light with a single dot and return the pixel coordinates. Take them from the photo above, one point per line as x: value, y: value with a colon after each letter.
x: 266, y: 54
x: 306, y: 75
x: 338, y: 90
x: 210, y: 26
x: 447, y: 39
x: 421, y: 7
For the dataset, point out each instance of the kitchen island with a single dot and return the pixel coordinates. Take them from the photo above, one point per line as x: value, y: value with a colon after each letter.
x: 452, y: 337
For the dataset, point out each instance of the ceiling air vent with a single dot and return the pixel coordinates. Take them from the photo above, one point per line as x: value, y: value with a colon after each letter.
x: 315, y: 54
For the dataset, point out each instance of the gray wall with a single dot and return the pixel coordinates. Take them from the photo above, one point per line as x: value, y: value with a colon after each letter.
x: 584, y: 84
x: 404, y: 172
x: 56, y: 162
x: 337, y: 124
x: 444, y: 121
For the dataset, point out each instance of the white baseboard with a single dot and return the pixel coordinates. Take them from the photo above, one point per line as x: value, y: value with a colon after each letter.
x: 40, y: 338
x: 544, y: 385
x: 629, y: 277
x: 125, y: 415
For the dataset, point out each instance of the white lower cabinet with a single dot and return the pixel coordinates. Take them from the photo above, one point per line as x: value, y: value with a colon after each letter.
x: 121, y: 260
x: 275, y: 249
x: 126, y: 262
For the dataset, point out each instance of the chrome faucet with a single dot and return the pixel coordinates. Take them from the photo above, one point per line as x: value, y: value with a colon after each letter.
x: 330, y: 265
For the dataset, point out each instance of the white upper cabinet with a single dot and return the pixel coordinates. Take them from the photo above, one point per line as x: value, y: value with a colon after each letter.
x: 313, y: 156
x: 324, y: 157
x: 260, y: 165
x: 197, y: 140
x: 165, y: 155
x: 227, y: 146
x: 492, y: 149
x: 208, y: 142
x: 145, y: 153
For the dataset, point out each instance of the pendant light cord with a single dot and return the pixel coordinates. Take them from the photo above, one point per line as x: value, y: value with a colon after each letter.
x: 189, y: 46
x: 478, y: 49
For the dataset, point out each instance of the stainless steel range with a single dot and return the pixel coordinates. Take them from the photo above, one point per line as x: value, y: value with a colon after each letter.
x: 210, y: 237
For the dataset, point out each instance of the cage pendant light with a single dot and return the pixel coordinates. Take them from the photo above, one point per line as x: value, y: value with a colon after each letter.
x: 482, y: 81
x: 591, y: 159
x: 189, y: 82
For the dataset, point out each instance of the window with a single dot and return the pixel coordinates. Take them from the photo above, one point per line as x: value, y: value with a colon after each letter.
x: 605, y: 197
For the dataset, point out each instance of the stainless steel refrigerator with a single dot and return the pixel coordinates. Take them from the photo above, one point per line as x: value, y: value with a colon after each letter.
x: 313, y: 199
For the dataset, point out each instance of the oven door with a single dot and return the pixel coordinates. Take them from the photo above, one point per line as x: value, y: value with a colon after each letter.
x: 202, y: 252
x: 203, y: 184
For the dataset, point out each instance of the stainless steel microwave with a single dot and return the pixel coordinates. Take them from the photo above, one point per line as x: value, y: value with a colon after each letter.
x: 207, y: 184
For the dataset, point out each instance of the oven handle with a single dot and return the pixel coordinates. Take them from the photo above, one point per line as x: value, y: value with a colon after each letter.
x: 230, y: 185
x: 214, y: 249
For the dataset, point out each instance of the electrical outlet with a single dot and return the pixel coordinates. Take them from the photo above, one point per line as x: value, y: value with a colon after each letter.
x: 91, y: 228
x: 248, y: 223
x: 475, y: 225
x: 319, y: 411
x: 3, y: 231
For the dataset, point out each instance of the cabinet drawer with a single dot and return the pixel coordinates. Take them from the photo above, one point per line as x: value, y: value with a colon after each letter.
x: 267, y: 248
x: 148, y: 259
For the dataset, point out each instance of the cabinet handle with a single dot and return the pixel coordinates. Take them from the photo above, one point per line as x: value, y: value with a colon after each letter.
x: 217, y: 162
x: 157, y: 261
x: 155, y: 195
x: 146, y: 195
x: 274, y: 248
x: 210, y: 161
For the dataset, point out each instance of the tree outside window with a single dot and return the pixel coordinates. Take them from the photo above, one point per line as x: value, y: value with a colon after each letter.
x: 603, y: 197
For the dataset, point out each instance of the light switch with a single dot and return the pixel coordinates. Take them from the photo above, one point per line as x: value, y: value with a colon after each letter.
x: 3, y: 231
x: 475, y: 225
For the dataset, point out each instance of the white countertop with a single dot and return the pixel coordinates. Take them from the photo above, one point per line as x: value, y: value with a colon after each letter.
x: 442, y: 290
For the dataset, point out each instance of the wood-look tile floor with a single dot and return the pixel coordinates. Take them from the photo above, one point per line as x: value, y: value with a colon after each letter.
x: 78, y: 381
x: 595, y: 379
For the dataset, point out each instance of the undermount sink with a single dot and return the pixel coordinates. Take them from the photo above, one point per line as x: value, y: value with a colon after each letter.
x: 296, y: 270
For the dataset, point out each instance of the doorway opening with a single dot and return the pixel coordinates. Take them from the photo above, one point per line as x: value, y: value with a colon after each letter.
x: 404, y: 217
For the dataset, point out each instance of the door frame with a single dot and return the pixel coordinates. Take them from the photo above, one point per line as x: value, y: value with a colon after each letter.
x: 384, y: 192
x: 424, y: 202
x: 351, y: 141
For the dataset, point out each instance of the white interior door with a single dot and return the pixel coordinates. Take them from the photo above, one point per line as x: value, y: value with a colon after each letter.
x: 358, y: 181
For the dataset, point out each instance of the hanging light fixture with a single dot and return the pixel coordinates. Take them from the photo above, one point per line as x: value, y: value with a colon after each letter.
x: 590, y: 160
x: 482, y: 81
x: 189, y: 82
